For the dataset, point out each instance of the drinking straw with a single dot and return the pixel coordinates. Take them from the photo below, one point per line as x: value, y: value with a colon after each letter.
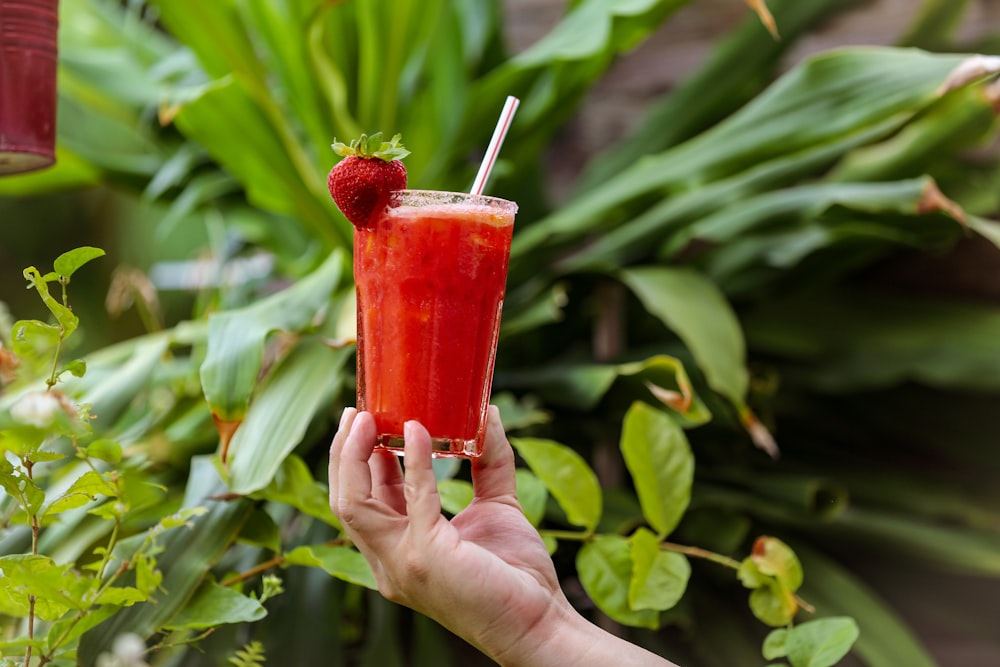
x: 503, y: 124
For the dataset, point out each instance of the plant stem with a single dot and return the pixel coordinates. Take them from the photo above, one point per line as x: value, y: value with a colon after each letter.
x: 29, y: 466
x: 697, y: 552
x: 255, y: 570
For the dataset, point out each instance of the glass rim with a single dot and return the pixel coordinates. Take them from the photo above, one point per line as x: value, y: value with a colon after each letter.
x: 419, y: 197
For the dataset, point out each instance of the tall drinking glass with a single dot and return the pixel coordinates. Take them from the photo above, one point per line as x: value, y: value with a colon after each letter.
x: 430, y: 275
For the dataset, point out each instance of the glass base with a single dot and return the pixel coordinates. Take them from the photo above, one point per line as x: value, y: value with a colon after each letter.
x: 440, y: 447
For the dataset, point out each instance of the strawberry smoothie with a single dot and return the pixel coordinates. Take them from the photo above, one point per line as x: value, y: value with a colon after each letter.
x: 430, y: 274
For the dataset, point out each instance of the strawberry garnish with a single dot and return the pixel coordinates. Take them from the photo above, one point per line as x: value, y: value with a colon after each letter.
x: 360, y: 183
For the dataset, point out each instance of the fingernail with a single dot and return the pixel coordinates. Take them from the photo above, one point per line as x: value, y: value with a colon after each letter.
x: 408, y: 430
x: 355, y: 425
x: 348, y: 413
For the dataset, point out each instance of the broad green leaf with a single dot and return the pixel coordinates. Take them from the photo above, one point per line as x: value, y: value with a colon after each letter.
x: 236, y: 338
x: 67, y: 263
x: 873, y: 86
x: 659, y: 577
x: 567, y: 476
x: 213, y: 605
x: 742, y: 62
x: 691, y: 306
x: 660, y: 461
x: 294, y: 485
x: 821, y: 642
x: 587, y: 29
x: 532, y: 495
x: 456, y: 494
x: 338, y: 561
x: 809, y: 201
x: 605, y: 569
x: 255, y: 143
x: 291, y: 396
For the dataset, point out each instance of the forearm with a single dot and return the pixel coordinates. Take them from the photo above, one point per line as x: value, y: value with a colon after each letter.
x: 567, y: 638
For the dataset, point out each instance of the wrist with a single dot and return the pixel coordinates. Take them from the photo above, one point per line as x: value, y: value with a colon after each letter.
x: 564, y: 637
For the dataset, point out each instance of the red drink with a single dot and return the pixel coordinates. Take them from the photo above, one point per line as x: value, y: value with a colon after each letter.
x: 430, y: 277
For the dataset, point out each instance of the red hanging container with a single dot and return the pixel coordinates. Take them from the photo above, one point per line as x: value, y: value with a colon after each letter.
x: 27, y: 84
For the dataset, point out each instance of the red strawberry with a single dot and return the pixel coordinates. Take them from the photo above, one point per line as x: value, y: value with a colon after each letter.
x: 360, y: 183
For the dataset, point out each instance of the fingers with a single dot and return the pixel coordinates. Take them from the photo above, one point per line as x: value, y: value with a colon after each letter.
x: 493, y: 472
x: 354, y: 477
x: 346, y: 420
x: 387, y: 478
x: 423, y: 505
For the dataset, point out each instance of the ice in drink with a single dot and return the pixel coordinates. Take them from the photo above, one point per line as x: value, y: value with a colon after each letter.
x: 430, y: 275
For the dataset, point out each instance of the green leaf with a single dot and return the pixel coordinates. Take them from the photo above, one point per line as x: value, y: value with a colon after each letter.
x: 34, y: 340
x: 821, y: 642
x: 294, y: 485
x: 186, y: 555
x: 76, y: 368
x: 214, y: 605
x: 772, y: 605
x: 532, y: 495
x: 261, y: 530
x: 67, y: 321
x: 56, y: 588
x: 567, y: 476
x: 605, y: 568
x: 774, y: 644
x: 774, y: 558
x: 21, y: 487
x: 67, y: 263
x: 104, y: 449
x: 236, y: 338
x: 695, y: 309
x: 659, y: 459
x: 281, y: 411
x: 121, y: 596
x: 659, y: 578
x: 89, y: 486
x: 456, y: 494
x: 337, y: 561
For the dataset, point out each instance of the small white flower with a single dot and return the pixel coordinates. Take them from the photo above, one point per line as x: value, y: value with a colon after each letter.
x: 38, y: 409
x: 129, y: 648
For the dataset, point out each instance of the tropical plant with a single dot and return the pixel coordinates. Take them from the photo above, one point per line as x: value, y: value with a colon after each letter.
x: 717, y: 281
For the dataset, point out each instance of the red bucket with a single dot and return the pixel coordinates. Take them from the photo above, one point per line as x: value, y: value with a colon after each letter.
x: 27, y: 84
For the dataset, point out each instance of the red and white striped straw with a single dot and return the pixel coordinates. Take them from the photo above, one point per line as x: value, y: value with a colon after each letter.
x: 503, y: 124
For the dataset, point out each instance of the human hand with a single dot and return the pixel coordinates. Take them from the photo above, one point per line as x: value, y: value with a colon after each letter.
x: 485, y: 574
